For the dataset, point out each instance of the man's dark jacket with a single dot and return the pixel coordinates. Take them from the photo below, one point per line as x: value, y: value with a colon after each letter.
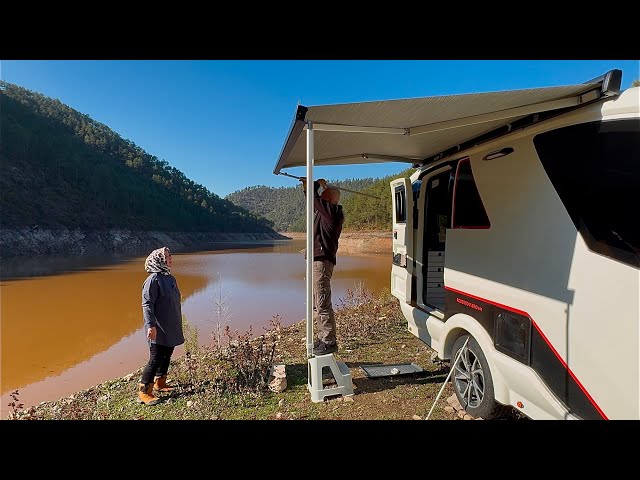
x: 327, y: 225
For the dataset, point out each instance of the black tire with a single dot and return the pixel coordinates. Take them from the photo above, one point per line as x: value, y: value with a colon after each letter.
x: 472, y: 382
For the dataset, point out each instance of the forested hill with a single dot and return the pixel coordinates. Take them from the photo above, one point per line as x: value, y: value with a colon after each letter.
x: 62, y: 169
x: 285, y: 206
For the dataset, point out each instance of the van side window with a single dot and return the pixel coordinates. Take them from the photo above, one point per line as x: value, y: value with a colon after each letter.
x: 401, y: 209
x: 416, y: 194
x: 468, y: 209
x: 594, y: 168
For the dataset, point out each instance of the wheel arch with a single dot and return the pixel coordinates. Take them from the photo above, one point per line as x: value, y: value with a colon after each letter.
x: 460, y: 324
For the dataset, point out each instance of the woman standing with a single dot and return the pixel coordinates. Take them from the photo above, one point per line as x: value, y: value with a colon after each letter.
x: 162, y: 315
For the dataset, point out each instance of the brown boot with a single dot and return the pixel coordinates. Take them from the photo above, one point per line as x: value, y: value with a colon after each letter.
x: 160, y: 384
x: 145, y: 394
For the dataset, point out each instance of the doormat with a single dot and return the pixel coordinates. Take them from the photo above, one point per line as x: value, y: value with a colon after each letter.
x: 393, y: 370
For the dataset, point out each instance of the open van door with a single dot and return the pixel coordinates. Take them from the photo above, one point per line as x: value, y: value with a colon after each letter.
x: 402, y: 211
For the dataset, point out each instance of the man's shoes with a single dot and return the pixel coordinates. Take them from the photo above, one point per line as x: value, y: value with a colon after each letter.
x: 324, y: 348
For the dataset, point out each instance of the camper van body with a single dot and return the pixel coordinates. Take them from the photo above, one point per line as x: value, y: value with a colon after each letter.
x: 515, y: 242
x: 493, y: 245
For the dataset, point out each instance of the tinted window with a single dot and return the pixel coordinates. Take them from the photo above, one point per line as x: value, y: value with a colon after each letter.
x: 416, y: 194
x: 468, y: 210
x: 401, y: 211
x: 595, y: 168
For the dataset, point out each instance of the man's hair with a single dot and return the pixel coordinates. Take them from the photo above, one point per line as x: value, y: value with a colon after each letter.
x: 331, y: 195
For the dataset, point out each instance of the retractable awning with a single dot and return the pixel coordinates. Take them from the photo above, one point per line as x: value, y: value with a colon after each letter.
x: 421, y: 130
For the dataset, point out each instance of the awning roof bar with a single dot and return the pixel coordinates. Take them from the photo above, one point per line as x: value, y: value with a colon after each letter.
x: 509, y: 113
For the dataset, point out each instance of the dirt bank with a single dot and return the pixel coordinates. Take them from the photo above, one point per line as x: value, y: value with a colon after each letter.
x: 353, y: 243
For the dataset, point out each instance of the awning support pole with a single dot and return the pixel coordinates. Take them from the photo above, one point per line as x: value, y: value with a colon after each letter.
x: 310, y: 234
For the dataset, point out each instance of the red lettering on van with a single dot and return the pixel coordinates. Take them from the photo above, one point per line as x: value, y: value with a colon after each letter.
x: 468, y: 304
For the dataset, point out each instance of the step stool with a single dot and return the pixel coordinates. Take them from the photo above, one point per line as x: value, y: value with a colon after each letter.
x: 340, y: 372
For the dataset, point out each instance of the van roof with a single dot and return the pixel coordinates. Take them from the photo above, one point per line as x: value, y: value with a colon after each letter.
x: 426, y: 129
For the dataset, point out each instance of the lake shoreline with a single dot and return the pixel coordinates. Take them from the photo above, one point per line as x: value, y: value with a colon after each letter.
x: 35, y: 242
x: 39, y: 242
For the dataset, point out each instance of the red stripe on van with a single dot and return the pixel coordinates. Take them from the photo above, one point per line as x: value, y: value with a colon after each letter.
x: 564, y: 364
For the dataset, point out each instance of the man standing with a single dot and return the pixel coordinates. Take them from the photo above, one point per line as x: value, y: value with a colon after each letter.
x: 327, y: 225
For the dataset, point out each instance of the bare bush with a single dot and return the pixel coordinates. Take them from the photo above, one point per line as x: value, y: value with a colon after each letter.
x: 243, y: 363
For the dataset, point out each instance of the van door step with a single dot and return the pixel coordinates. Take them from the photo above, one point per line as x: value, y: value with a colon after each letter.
x: 390, y: 370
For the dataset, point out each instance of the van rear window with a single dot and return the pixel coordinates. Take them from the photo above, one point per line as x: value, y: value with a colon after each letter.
x: 595, y: 168
x: 401, y: 208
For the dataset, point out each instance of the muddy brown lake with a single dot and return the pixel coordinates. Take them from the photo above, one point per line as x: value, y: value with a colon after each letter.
x: 70, y: 323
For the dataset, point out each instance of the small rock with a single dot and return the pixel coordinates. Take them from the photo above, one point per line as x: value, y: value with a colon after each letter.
x: 467, y: 417
x: 278, y: 416
x: 403, y: 346
x: 449, y: 409
x: 454, y: 402
x: 479, y: 418
x: 416, y: 417
x: 189, y: 403
x: 348, y: 399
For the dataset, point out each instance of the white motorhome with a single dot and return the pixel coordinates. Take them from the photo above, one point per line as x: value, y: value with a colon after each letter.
x: 516, y: 237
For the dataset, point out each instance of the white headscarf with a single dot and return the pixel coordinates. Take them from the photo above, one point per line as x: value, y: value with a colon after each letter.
x: 156, y: 262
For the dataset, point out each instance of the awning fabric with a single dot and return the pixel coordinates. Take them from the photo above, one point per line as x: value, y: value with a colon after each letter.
x: 415, y: 129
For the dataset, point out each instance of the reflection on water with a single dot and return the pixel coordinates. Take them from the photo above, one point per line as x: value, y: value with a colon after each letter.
x: 28, y: 267
x: 66, y: 332
x: 14, y: 268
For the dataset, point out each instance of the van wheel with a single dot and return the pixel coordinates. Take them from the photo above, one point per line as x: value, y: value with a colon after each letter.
x: 471, y: 380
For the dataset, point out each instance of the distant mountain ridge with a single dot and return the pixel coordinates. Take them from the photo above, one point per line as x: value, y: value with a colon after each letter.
x: 285, y: 206
x: 63, y: 170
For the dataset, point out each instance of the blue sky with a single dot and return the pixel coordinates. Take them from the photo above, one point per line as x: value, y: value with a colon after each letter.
x: 223, y: 122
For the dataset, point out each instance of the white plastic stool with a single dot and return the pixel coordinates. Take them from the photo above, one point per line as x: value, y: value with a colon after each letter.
x: 340, y: 372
